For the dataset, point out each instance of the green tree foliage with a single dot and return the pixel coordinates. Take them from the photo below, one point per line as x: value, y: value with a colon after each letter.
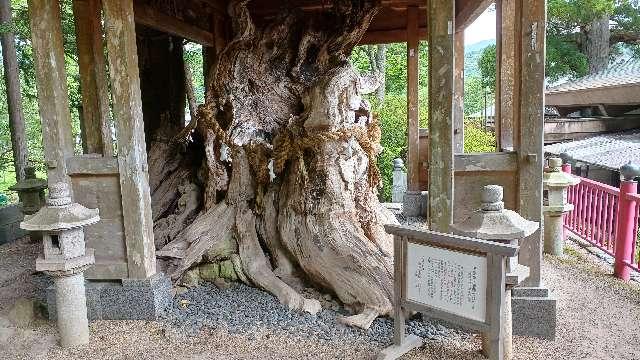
x: 487, y: 65
x: 568, y: 25
x: 473, y: 95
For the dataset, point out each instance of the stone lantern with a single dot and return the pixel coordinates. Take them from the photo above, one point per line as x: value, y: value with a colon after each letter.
x: 493, y: 222
x: 65, y: 258
x: 555, y: 183
x: 399, y: 181
x: 30, y: 191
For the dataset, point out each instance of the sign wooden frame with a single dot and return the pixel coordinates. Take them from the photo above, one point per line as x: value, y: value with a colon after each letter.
x: 496, y: 255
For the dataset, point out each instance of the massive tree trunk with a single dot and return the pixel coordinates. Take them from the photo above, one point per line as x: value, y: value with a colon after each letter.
x: 287, y: 190
x: 596, y: 44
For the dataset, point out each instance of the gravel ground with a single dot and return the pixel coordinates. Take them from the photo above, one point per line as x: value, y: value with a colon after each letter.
x: 241, y: 309
x: 597, y: 319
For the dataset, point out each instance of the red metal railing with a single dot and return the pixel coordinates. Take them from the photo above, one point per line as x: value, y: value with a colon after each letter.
x: 607, y: 219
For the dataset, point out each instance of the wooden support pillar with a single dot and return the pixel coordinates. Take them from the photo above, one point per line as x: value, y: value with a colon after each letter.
x: 508, y: 73
x: 132, y: 155
x: 531, y: 129
x: 51, y: 80
x: 96, y: 130
x: 14, y: 100
x: 413, y: 118
x: 458, y: 95
x: 441, y: 88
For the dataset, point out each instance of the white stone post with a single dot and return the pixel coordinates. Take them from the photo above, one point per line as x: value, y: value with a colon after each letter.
x: 555, y: 183
x: 65, y: 259
x: 71, y: 308
x: 399, y: 181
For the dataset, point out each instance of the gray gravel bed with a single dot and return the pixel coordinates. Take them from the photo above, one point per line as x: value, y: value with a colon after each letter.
x: 241, y: 309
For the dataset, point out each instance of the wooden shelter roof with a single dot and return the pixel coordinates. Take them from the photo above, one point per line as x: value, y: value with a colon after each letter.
x: 619, y: 84
x: 192, y: 18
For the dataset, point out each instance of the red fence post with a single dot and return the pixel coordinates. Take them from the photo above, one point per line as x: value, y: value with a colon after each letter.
x: 566, y: 167
x: 625, y: 237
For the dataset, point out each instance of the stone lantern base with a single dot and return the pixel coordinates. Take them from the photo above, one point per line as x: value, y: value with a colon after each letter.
x: 122, y: 300
x: 415, y: 203
x: 533, y: 312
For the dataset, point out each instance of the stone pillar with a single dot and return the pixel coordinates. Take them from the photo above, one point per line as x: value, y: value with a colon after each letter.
x: 555, y: 183
x: 399, y: 181
x: 65, y: 259
x: 72, y: 310
x: 495, y: 223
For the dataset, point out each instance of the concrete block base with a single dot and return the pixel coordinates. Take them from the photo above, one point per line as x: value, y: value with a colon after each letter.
x: 533, y: 312
x: 122, y: 300
x: 415, y: 203
x: 10, y: 217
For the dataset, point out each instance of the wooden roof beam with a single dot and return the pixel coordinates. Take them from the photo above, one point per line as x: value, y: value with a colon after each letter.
x: 467, y: 11
x: 389, y: 36
x: 148, y: 16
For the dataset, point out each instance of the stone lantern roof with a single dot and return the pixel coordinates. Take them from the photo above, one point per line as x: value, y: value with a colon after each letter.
x: 554, y: 177
x: 30, y: 182
x: 493, y: 222
x: 60, y: 213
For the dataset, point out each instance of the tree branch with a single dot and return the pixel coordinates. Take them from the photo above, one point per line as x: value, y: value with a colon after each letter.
x: 624, y: 37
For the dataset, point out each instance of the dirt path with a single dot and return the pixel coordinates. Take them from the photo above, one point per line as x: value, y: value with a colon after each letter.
x: 598, y: 318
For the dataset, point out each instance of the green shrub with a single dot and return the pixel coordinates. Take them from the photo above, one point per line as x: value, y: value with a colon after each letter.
x: 478, y: 140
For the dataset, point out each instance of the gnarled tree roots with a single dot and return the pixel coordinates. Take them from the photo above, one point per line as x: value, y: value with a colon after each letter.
x: 287, y: 187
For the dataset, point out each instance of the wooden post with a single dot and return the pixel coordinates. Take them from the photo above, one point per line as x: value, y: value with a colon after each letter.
x: 441, y: 85
x: 508, y: 70
x: 14, y: 101
x: 458, y: 95
x: 413, y: 118
x: 531, y: 130
x: 132, y: 154
x: 398, y: 311
x: 51, y: 79
x: 96, y: 130
x: 495, y: 307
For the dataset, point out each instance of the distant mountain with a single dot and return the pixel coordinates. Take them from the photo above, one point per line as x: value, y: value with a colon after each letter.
x: 479, y: 46
x: 472, y: 53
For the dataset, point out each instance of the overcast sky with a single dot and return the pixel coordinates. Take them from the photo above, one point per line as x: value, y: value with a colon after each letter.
x: 484, y: 28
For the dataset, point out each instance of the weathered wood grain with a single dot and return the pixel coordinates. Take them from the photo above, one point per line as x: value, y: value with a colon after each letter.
x: 87, y: 165
x: 413, y: 144
x: 419, y: 236
x: 458, y: 95
x: 531, y: 130
x: 148, y: 16
x: 96, y: 129
x: 441, y: 67
x: 132, y: 153
x: 503, y: 161
x: 508, y: 74
x: 494, y: 343
x: 53, y: 97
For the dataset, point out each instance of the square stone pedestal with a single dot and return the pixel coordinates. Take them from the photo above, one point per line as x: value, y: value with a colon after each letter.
x: 415, y: 203
x: 533, y: 312
x: 122, y: 300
